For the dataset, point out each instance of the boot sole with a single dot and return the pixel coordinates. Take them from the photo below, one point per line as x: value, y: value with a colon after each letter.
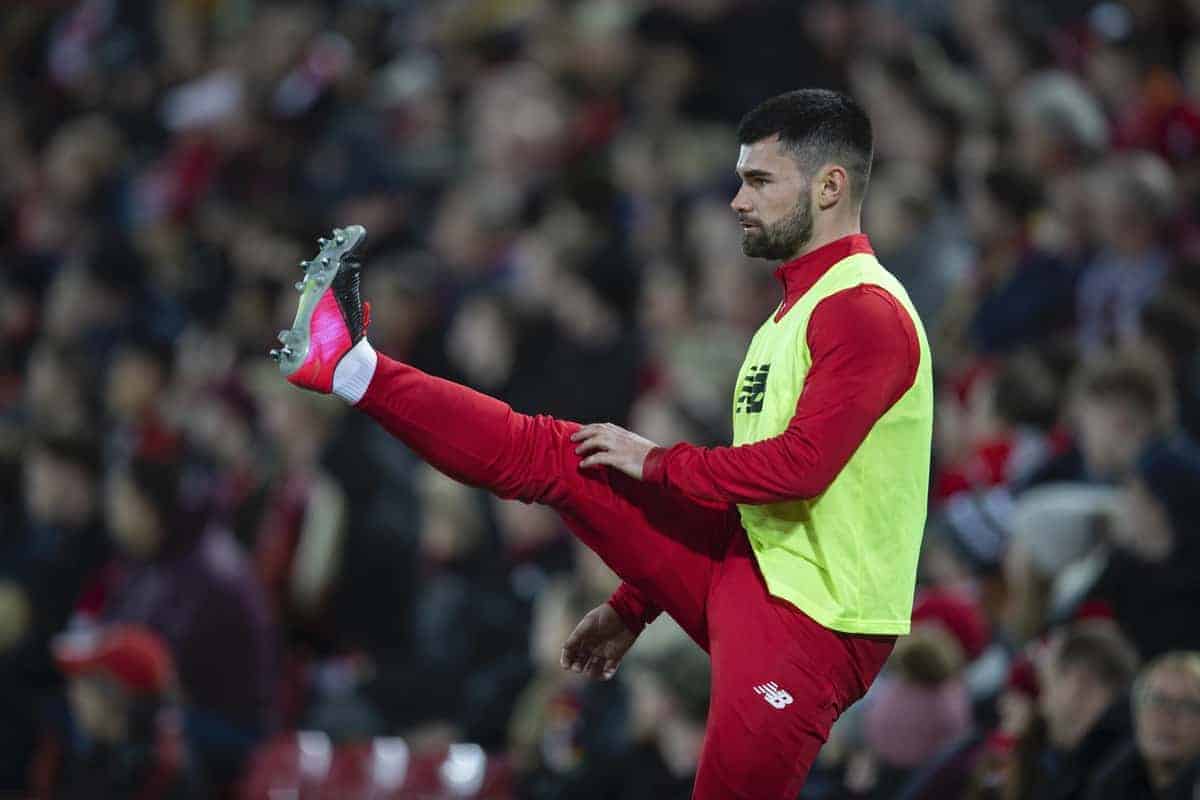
x: 318, y: 276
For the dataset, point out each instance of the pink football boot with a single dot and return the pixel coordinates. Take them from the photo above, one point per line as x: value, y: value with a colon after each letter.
x: 331, y: 317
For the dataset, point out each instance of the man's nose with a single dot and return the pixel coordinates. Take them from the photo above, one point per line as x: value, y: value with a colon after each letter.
x: 739, y: 203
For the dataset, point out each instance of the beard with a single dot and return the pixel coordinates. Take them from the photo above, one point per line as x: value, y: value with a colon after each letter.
x: 782, y: 239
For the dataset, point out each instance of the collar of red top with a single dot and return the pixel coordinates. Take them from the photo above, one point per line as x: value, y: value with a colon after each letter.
x: 799, y: 274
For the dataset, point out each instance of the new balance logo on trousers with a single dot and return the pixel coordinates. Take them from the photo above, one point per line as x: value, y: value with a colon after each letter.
x: 774, y: 695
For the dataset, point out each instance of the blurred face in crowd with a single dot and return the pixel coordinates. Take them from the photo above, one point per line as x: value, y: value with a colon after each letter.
x: 451, y: 520
x: 445, y: 536
x: 79, y: 155
x: 54, y: 393
x: 1108, y: 213
x: 57, y: 491
x: 132, y: 519
x: 222, y: 432
x: 890, y: 216
x: 296, y: 426
x: 1167, y: 715
x: 1112, y: 431
x: 1072, y: 700
x: 773, y: 206
x: 50, y: 382
x: 525, y: 527
x: 134, y: 381
x: 482, y: 343
x: 99, y: 707
x: 988, y: 222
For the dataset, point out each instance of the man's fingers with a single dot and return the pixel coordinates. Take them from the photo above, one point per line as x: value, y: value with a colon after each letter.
x: 610, y: 668
x: 594, y: 667
x: 591, y: 445
x: 575, y: 661
x: 603, y: 458
x: 585, y: 432
x: 574, y: 650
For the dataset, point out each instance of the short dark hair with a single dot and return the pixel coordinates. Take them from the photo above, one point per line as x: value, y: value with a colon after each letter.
x: 1135, y: 379
x: 1013, y: 192
x: 1102, y: 650
x: 818, y: 125
x: 1174, y: 323
x: 1027, y: 392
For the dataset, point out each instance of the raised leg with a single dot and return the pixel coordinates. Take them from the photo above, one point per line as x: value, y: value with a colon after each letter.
x: 662, y: 544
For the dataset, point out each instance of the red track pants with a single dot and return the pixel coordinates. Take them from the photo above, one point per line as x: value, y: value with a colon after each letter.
x: 779, y: 680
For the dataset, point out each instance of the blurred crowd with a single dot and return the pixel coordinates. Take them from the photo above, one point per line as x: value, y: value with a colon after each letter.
x: 213, y: 585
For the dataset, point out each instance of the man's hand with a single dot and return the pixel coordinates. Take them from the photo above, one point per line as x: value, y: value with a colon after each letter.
x: 609, y: 445
x: 597, y: 644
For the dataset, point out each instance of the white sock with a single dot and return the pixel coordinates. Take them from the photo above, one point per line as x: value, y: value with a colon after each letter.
x: 353, y: 373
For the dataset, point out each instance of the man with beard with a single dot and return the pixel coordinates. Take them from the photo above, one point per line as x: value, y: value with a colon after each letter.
x: 791, y: 556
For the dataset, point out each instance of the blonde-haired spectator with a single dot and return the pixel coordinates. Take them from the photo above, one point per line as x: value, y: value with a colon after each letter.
x: 1163, y: 761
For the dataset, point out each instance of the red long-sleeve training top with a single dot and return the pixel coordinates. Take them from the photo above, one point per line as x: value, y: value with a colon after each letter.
x: 865, y: 353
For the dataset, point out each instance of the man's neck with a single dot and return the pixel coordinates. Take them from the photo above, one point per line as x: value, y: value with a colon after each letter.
x: 831, y: 233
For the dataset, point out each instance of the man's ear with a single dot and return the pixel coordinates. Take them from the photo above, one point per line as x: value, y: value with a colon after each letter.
x: 833, y: 186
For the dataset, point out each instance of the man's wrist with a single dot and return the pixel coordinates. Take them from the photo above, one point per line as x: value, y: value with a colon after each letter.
x: 630, y: 607
x: 654, y: 466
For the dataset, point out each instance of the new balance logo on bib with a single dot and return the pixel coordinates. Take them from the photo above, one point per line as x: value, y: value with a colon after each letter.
x: 754, y: 389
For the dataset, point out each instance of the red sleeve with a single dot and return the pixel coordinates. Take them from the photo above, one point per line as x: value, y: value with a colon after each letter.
x: 634, y: 610
x: 865, y: 353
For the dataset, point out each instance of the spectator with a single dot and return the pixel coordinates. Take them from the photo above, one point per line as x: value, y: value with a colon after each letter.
x: 1023, y: 291
x: 1085, y: 679
x: 137, y: 380
x: 300, y: 535
x: 49, y: 548
x: 1058, y: 124
x: 1131, y: 203
x: 1156, y: 552
x: 1170, y: 328
x: 56, y: 393
x: 1117, y: 406
x: 462, y: 660
x: 999, y: 435
x: 126, y: 735
x: 1163, y: 763
x: 982, y: 765
x: 564, y: 729
x: 62, y: 538
x: 668, y: 706
x: 187, y: 581
x: 906, y: 219
x: 922, y: 706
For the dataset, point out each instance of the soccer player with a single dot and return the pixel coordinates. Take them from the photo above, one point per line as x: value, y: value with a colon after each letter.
x: 791, y: 556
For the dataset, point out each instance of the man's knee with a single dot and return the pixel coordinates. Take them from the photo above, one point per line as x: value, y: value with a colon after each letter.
x: 763, y: 739
x: 763, y: 770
